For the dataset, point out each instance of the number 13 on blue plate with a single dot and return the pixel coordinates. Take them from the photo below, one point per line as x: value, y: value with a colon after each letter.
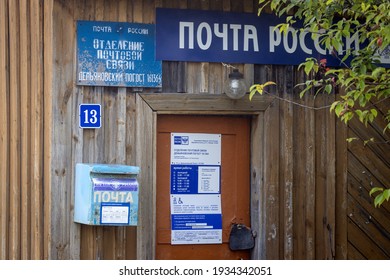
x: 90, y: 116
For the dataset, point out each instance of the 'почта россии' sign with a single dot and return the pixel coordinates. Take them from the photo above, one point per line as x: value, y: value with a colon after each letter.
x: 214, y: 36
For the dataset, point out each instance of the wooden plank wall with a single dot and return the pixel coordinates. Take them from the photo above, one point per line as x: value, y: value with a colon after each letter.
x: 115, y: 141
x: 299, y: 170
x: 313, y: 208
x: 368, y: 165
x: 22, y: 105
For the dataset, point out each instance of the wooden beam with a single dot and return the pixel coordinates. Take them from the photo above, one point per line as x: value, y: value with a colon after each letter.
x: 271, y: 181
x: 205, y: 102
x: 258, y: 200
x: 4, y: 132
x: 25, y: 131
x: 14, y: 164
x: 145, y: 142
x: 286, y: 172
x: 48, y: 88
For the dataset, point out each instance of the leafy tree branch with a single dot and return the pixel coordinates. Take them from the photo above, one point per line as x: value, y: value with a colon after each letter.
x: 360, y: 78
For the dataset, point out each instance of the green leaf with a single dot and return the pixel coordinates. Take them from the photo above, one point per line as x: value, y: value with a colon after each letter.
x: 374, y: 190
x: 328, y: 88
x: 386, y: 194
x: 379, y: 199
x: 360, y: 115
x: 347, y: 117
x: 350, y: 103
x: 334, y: 104
x: 309, y: 66
x: 302, y: 93
x: 374, y: 112
x: 339, y: 108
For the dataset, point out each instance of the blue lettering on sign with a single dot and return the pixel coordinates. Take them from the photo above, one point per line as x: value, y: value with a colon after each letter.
x: 117, y: 54
x: 212, y: 36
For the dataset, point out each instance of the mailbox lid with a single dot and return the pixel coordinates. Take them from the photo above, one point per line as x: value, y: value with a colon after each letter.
x: 114, y: 169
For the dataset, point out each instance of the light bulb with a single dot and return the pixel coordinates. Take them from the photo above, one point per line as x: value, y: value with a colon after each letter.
x: 235, y: 87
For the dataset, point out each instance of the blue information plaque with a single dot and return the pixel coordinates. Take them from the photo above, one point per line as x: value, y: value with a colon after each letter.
x: 117, y: 54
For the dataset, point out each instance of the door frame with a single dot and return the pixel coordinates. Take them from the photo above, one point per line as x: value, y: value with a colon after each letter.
x: 148, y: 107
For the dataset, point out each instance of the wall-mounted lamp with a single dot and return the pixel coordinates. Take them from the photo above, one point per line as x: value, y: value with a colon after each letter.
x: 236, y: 86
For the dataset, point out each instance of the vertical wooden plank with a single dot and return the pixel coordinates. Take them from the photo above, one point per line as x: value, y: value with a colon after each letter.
x: 107, y: 245
x: 300, y: 148
x: 88, y: 234
x: 215, y: 69
x: 325, y: 185
x: 309, y: 132
x: 93, y: 248
x: 271, y: 179
x: 341, y: 223
x: 330, y: 252
x: 39, y: 133
x: 121, y: 241
x: 237, y: 6
x: 204, y: 66
x: 176, y: 69
x: 148, y: 11
x: 258, y: 201
x: 204, y: 77
x: 77, y: 143
x: 182, y: 66
x: 225, y: 70
x: 14, y: 198
x: 25, y: 131
x: 146, y: 125
x: 226, y: 5
x: 64, y: 42
x: 131, y: 232
x: 4, y: 134
x: 286, y: 166
x: 48, y: 88
x: 248, y: 68
x: 137, y: 11
x: 321, y: 167
x: 196, y: 79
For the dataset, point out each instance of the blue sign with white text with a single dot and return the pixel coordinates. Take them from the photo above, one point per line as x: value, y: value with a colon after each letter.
x: 117, y: 54
x: 214, y: 36
x: 185, y: 179
x: 196, y: 221
x: 90, y: 115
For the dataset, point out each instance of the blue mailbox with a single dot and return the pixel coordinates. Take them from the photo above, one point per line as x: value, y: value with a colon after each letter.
x: 106, y: 194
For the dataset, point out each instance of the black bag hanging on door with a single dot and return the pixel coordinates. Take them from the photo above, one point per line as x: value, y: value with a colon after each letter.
x: 241, y: 238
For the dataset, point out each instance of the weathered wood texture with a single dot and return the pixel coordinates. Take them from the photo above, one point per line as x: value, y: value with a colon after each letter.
x: 316, y: 186
x: 368, y: 228
x: 113, y: 143
x: 21, y: 130
x: 299, y: 170
x: 309, y: 195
